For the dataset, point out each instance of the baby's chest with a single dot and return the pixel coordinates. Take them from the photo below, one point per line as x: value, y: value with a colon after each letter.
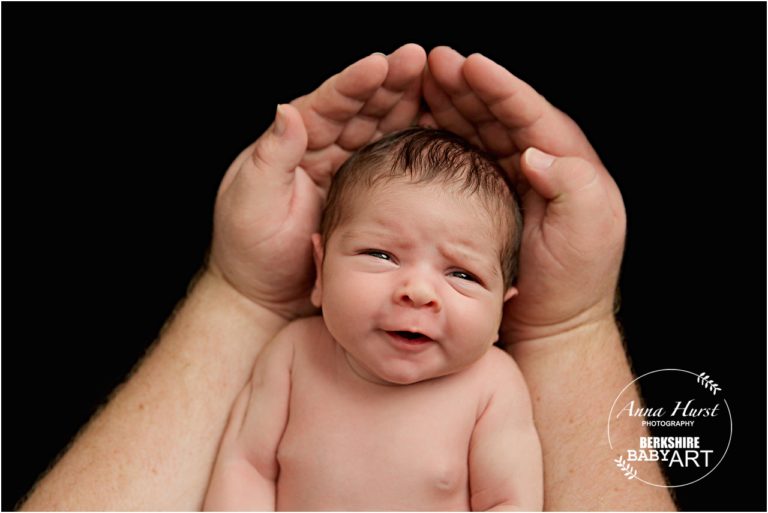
x: 409, y: 443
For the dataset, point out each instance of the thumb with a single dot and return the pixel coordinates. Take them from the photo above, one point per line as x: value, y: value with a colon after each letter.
x: 274, y: 156
x: 557, y: 178
x: 570, y: 193
x: 280, y: 149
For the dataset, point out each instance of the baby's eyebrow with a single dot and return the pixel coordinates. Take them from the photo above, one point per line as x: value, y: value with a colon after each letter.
x: 353, y: 234
x: 466, y: 253
x: 378, y: 234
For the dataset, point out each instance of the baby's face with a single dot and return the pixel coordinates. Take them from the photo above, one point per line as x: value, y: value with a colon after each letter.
x: 411, y: 284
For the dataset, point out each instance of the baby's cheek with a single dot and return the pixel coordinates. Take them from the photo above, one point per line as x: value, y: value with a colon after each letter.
x: 353, y: 299
x: 370, y: 288
x: 477, y: 323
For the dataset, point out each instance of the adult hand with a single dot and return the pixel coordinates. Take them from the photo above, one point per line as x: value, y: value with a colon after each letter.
x: 574, y: 219
x: 270, y: 200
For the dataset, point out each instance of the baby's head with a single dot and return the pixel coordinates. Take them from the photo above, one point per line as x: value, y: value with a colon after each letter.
x: 416, y: 256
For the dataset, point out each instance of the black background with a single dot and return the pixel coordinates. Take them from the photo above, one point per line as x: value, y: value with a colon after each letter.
x: 119, y: 120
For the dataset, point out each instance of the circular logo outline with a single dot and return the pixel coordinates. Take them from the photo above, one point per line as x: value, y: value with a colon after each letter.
x: 730, y: 432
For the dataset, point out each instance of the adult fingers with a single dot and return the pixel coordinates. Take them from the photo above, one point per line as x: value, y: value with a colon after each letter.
x: 444, y: 113
x: 445, y: 65
x: 460, y: 101
x: 441, y: 107
x: 426, y: 119
x: 391, y: 106
x: 326, y: 110
x: 530, y: 119
x: 321, y: 165
x: 411, y: 65
x: 404, y: 76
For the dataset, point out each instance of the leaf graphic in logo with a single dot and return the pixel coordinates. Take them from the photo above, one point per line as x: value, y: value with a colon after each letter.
x: 708, y: 383
x: 629, y: 471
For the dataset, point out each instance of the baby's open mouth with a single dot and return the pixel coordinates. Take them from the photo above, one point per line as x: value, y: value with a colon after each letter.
x: 410, y: 336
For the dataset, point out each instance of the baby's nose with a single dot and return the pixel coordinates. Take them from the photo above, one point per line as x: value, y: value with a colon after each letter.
x: 418, y: 294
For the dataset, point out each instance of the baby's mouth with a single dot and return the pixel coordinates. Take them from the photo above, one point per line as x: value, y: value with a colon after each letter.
x: 412, y: 337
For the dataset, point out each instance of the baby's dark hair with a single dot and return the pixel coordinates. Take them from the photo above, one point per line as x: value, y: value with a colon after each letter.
x: 427, y: 155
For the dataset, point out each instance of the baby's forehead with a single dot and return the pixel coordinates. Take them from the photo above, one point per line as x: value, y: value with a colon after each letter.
x: 396, y: 192
x: 400, y: 187
x: 398, y: 208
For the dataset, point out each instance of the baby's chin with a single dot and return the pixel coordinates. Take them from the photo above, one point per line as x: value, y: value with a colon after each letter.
x: 404, y: 380
x: 397, y: 375
x: 405, y: 376
x: 396, y: 378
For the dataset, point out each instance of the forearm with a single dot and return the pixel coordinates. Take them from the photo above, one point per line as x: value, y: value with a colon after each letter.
x: 153, y: 445
x: 574, y: 378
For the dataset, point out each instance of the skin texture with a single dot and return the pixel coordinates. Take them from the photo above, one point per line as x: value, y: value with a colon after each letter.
x: 452, y: 443
x: 135, y: 453
x: 444, y: 423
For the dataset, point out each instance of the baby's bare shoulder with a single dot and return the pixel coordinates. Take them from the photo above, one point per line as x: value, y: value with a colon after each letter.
x: 309, y: 337
x: 500, y: 364
x: 501, y: 376
x: 293, y: 335
x: 301, y: 328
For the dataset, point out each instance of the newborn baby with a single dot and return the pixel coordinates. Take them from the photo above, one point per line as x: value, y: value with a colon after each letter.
x: 395, y: 398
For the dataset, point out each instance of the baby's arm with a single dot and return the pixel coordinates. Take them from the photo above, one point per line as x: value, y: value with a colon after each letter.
x: 505, y: 464
x: 246, y: 466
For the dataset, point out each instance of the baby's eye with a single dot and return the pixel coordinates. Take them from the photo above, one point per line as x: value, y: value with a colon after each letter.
x: 464, y: 276
x: 378, y: 254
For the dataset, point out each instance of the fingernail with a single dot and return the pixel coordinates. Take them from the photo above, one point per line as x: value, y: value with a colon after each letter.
x: 538, y: 160
x: 279, y: 126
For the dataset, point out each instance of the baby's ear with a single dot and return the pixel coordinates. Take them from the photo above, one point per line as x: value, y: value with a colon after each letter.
x: 317, y: 249
x: 510, y: 293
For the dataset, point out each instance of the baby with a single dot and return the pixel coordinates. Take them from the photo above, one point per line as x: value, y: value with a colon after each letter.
x: 396, y: 398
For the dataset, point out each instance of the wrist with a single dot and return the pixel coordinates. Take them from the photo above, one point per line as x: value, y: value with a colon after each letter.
x: 584, y: 330
x: 515, y: 331
x: 211, y: 283
x: 290, y: 302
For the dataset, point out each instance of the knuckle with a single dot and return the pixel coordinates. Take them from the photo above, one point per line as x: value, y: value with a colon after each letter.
x: 260, y: 156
